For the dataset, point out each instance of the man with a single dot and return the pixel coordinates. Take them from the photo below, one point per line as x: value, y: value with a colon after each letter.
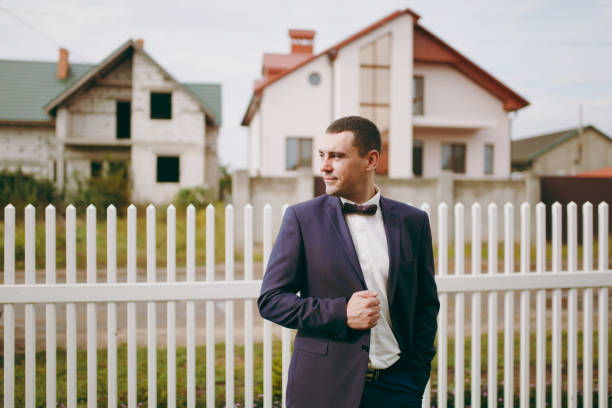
x: 363, y: 267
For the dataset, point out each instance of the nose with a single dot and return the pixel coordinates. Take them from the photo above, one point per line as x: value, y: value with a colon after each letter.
x: 326, y: 165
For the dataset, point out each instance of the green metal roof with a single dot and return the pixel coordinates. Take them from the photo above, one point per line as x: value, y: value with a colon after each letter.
x: 210, y: 96
x: 26, y: 86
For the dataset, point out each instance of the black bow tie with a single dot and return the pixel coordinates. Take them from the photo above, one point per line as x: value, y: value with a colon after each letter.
x: 348, y: 208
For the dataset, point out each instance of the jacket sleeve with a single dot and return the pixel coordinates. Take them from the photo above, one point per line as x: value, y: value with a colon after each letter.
x: 285, y: 276
x: 427, y: 303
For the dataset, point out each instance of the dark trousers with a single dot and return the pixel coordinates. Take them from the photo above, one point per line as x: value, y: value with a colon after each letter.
x: 396, y: 387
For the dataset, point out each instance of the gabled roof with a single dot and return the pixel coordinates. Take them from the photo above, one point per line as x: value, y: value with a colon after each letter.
x: 512, y: 101
x: 524, y: 151
x: 28, y: 85
x: 107, y: 64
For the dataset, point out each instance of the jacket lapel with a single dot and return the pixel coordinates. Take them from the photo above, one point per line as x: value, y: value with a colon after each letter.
x: 392, y: 230
x: 340, y: 227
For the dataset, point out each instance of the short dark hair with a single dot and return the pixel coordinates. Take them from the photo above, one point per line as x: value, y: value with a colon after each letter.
x: 366, y: 134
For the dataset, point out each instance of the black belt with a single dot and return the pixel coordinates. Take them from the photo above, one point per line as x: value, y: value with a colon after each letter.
x: 373, y: 374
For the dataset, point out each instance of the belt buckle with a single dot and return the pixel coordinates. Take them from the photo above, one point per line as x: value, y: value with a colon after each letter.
x: 372, y: 374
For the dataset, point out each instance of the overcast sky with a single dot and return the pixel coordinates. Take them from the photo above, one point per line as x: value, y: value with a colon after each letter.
x: 555, y: 53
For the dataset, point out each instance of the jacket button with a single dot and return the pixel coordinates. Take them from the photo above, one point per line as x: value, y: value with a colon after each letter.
x: 365, y: 347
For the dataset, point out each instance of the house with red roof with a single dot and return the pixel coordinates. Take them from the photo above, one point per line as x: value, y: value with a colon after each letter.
x: 437, y: 110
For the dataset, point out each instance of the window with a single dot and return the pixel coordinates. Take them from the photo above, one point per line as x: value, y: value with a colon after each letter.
x: 161, y: 105
x: 418, y: 93
x: 488, y: 159
x: 375, y: 90
x: 453, y: 157
x: 417, y: 158
x: 124, y: 113
x: 118, y: 168
x: 96, y: 169
x: 299, y: 152
x: 167, y: 169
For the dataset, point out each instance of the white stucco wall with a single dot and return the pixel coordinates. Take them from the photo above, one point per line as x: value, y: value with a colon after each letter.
x: 29, y: 148
x: 183, y: 135
x: 452, y: 100
x: 292, y: 107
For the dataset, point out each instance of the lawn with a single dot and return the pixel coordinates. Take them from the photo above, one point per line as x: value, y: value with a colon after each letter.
x: 258, y: 365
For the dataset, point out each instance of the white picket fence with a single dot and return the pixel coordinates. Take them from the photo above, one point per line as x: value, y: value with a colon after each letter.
x: 458, y: 285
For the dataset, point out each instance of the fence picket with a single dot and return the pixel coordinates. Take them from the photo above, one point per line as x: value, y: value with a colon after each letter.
x: 572, y: 309
x: 171, y: 306
x: 71, y: 322
x: 191, y: 361
x: 210, y: 307
x: 248, y: 307
x: 476, y: 307
x: 92, y: 323
x: 267, y: 325
x: 525, y: 310
x: 540, y: 307
x: 30, y: 312
x: 459, y: 307
x: 587, y: 307
x: 151, y: 310
x: 602, y: 366
x: 131, y: 308
x: 229, y: 307
x: 443, y: 297
x: 556, y: 308
x: 9, y: 310
x: 508, y: 307
x: 111, y: 308
x: 50, y: 316
x: 492, y: 308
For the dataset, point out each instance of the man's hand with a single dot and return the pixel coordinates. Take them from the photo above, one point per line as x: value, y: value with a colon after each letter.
x: 362, y: 310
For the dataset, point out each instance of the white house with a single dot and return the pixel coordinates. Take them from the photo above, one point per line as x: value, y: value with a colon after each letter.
x: 436, y: 109
x: 60, y: 121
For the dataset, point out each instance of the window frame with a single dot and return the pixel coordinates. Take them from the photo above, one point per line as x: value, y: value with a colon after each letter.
x: 300, y: 163
x: 178, y: 169
x: 154, y: 113
x: 418, y: 100
x: 454, y: 147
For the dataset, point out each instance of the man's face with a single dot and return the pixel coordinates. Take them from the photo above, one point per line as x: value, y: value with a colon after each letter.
x: 344, y: 170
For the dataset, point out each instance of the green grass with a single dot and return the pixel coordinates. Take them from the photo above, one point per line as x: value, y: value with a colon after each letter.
x: 276, y: 376
x: 181, y: 373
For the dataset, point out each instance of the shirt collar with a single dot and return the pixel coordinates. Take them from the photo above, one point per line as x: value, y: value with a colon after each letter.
x: 374, y: 200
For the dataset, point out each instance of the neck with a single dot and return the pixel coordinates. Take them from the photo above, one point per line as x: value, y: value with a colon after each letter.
x: 364, y: 195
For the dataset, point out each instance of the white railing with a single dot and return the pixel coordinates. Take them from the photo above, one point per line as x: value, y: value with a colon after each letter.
x: 228, y: 291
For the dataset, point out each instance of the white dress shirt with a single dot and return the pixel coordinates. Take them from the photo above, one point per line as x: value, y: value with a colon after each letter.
x: 370, y: 240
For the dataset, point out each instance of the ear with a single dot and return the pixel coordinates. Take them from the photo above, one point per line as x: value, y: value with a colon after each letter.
x: 372, y: 157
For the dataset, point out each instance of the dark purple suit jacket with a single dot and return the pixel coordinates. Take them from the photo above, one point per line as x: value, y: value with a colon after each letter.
x: 314, y: 255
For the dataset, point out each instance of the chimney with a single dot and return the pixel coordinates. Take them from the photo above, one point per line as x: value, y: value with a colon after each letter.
x: 302, y: 41
x: 63, y: 66
x: 140, y: 42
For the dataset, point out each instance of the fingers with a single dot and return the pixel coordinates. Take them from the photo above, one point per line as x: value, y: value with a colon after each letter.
x: 365, y: 294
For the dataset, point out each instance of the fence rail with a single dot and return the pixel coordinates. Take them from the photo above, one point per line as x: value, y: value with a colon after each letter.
x: 458, y: 285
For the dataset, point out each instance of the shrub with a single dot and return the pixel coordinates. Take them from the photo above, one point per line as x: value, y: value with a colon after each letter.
x: 110, y: 187
x: 198, y: 196
x: 20, y: 190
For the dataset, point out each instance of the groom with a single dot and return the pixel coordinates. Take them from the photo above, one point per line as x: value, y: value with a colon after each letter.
x: 363, y: 267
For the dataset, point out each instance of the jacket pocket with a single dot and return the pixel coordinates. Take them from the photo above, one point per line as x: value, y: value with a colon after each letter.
x: 311, y: 345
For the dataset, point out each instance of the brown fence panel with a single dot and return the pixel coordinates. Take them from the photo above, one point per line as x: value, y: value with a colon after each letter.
x: 579, y: 190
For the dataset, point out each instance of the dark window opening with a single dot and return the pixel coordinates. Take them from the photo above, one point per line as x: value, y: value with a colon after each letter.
x: 418, y: 95
x: 124, y: 113
x: 488, y: 157
x: 299, y: 152
x: 96, y: 169
x: 167, y: 169
x: 118, y: 168
x: 161, y: 105
x: 453, y: 157
x: 417, y: 158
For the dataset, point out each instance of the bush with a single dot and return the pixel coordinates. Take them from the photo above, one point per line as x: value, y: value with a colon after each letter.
x: 198, y: 196
x: 20, y: 190
x: 110, y: 187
